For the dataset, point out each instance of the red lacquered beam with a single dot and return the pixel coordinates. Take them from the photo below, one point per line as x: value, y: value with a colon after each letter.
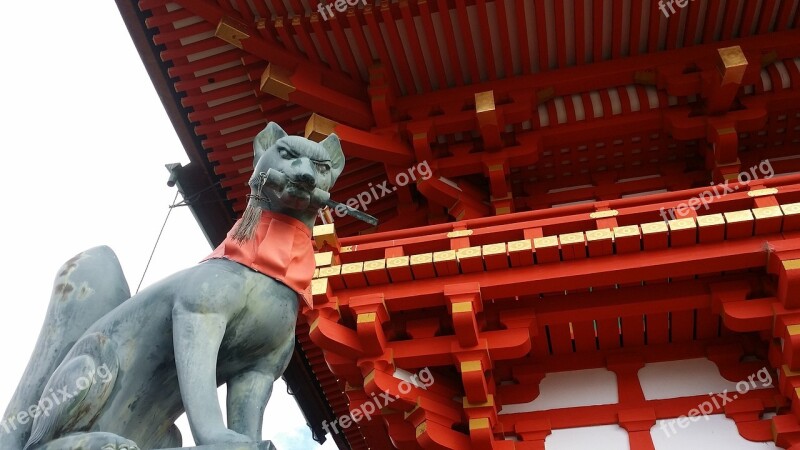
x: 159, y: 19
x: 355, y: 22
x: 402, y: 65
x: 486, y: 39
x: 468, y: 42
x: 337, y: 28
x: 412, y: 36
x: 522, y: 34
x: 180, y: 33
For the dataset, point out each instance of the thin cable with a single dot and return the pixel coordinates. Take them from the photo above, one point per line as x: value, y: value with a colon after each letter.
x: 190, y: 200
x: 169, y: 211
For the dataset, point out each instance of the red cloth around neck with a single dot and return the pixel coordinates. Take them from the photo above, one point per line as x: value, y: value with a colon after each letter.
x: 281, y: 250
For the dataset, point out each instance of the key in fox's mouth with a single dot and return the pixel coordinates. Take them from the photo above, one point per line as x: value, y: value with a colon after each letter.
x: 297, y: 189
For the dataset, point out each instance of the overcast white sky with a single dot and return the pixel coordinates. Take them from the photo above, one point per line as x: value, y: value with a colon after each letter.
x: 85, y: 140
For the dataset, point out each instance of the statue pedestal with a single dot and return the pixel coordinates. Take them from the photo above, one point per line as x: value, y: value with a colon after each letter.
x: 263, y: 445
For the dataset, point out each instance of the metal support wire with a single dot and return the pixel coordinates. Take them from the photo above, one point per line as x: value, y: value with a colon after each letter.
x: 169, y: 211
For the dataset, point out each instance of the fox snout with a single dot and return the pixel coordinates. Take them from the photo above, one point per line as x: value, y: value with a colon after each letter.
x: 302, y: 176
x: 306, y: 179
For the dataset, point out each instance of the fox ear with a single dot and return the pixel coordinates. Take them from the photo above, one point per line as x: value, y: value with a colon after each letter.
x: 266, y: 139
x: 334, y: 148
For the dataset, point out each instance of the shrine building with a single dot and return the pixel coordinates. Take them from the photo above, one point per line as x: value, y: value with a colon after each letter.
x: 589, y: 210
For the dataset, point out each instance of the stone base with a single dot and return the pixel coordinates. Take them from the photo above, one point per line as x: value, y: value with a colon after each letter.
x: 263, y: 445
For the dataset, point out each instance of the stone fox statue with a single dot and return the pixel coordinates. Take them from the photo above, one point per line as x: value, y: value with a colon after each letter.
x: 111, y: 371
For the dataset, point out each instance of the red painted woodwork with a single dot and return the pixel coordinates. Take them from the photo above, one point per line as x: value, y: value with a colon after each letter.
x: 561, y: 228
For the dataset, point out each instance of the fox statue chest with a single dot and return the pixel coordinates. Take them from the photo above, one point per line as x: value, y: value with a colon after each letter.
x: 281, y: 249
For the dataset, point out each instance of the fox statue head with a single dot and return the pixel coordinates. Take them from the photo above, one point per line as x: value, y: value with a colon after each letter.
x: 307, y: 165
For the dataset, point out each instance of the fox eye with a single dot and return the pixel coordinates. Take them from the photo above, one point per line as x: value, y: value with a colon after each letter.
x: 286, y: 153
x: 323, y: 168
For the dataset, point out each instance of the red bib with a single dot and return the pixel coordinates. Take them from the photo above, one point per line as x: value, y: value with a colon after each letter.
x: 281, y: 250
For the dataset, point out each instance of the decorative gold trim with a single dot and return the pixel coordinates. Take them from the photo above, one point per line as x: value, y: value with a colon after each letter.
x: 762, y: 192
x: 789, y: 372
x: 460, y: 307
x: 599, y: 235
x: 366, y: 317
x: 627, y: 230
x: 447, y: 255
x: 375, y: 264
x: 478, y: 424
x: 484, y: 102
x: 459, y: 233
x: 571, y: 238
x: 329, y: 271
x: 397, y: 261
x: 232, y: 31
x: 494, y: 249
x: 407, y: 414
x: 654, y: 227
x: 682, y: 224
x: 469, y: 252
x: 544, y: 242
x: 767, y: 212
x: 422, y: 258
x: 710, y: 220
x: 319, y: 286
x: 731, y: 64
x: 521, y: 245
x: 471, y: 366
x: 356, y: 267
x: 319, y: 127
x: 277, y: 81
x: 323, y: 259
x: 791, y: 209
x: 604, y: 214
x: 323, y: 230
x: 791, y: 264
x: 370, y: 376
x: 489, y: 402
x: 738, y: 216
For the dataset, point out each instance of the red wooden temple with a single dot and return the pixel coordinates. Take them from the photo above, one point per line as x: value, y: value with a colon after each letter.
x: 612, y: 185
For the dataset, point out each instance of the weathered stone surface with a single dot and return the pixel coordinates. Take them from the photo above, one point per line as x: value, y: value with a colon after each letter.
x: 264, y: 445
x: 86, y: 288
x: 134, y: 364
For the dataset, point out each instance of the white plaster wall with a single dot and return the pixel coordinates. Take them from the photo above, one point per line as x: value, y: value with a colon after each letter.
x: 709, y: 432
x: 659, y: 381
x: 604, y: 437
x: 569, y: 389
x: 684, y: 378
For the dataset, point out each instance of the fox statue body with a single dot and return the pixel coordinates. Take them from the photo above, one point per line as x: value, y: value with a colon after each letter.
x: 114, y: 372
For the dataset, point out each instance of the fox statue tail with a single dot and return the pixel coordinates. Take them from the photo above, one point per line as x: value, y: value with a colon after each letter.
x: 86, y: 288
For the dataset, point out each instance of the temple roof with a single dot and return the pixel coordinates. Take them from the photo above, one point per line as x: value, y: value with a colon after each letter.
x: 512, y: 105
